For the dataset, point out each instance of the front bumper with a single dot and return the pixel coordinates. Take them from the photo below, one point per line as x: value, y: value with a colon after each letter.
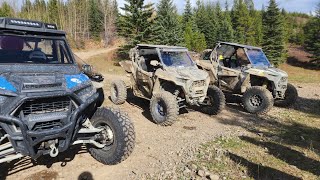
x: 197, y: 92
x: 27, y: 141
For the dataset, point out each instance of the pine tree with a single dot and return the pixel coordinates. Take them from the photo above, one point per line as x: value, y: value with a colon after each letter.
x: 136, y: 24
x: 273, y: 34
x: 206, y: 20
x: 242, y: 22
x: 187, y: 15
x: 53, y: 12
x: 194, y: 40
x: 312, y: 34
x: 226, y: 32
x: 95, y: 19
x: 168, y: 30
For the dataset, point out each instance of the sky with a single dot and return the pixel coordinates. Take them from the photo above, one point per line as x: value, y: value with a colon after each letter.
x: 305, y: 6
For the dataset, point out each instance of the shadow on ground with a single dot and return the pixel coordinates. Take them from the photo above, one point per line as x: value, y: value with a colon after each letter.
x: 258, y: 171
x: 279, y: 135
x: 287, y: 155
x: 309, y: 106
x: 25, y: 163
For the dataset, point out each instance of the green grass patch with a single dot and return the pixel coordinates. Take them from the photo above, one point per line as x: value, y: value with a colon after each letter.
x: 300, y: 74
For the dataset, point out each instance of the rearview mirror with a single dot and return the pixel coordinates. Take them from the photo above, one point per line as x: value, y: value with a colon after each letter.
x: 155, y: 63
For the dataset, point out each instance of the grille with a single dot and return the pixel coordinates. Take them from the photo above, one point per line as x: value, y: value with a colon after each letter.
x: 199, y: 83
x: 47, y: 125
x: 40, y: 86
x: 47, y: 105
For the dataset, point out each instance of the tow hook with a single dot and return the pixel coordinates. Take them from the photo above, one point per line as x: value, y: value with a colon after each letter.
x: 54, y: 151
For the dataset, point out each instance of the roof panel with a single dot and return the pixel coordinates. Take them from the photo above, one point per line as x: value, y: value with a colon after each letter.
x: 28, y: 25
x: 240, y: 45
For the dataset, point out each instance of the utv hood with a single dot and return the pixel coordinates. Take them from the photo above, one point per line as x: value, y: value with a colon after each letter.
x: 265, y: 72
x: 187, y: 73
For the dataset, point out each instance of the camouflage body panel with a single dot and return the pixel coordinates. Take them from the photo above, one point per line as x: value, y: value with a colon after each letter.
x: 192, y: 81
x: 237, y: 80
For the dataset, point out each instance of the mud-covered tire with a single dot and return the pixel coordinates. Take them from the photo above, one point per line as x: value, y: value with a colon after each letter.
x: 118, y: 92
x: 101, y: 97
x: 257, y: 100
x: 170, y: 109
x: 123, y: 133
x: 291, y: 96
x: 217, y: 101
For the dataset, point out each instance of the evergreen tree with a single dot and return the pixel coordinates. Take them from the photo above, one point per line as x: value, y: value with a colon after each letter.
x: 95, y: 19
x: 225, y: 26
x: 168, y: 27
x: 258, y: 34
x: 53, y: 12
x: 187, y: 15
x: 206, y: 20
x: 194, y: 40
x: 273, y: 34
x: 242, y: 22
x: 312, y: 33
x: 136, y: 24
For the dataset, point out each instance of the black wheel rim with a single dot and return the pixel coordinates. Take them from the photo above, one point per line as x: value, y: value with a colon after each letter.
x: 106, y: 136
x: 161, y: 108
x: 255, y: 101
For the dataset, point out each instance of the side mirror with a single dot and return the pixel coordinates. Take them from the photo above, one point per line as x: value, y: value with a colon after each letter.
x: 87, y: 69
x: 155, y: 63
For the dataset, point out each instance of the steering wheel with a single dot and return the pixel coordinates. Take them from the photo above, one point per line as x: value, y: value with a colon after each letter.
x: 37, y: 54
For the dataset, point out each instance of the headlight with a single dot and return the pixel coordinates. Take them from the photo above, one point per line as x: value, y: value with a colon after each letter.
x: 85, y: 93
x: 284, y: 79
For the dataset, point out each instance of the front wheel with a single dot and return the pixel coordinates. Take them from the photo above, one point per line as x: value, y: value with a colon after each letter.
x: 117, y: 134
x: 164, y: 108
x: 216, y: 101
x: 290, y: 97
x: 257, y: 100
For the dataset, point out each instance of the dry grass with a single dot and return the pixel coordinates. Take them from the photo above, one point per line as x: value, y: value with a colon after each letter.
x: 106, y: 63
x: 283, y: 145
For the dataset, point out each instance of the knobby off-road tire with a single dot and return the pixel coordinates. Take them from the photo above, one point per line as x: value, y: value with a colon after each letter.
x: 291, y: 96
x: 257, y: 100
x: 217, y: 101
x: 101, y: 97
x: 164, y: 108
x: 118, y: 92
x: 123, y: 136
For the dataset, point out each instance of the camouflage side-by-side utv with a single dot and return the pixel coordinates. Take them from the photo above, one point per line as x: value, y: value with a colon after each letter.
x: 245, y: 70
x: 48, y: 104
x: 169, y: 78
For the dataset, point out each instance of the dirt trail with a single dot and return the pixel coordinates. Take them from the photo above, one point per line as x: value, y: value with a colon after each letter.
x: 91, y: 53
x: 159, y: 150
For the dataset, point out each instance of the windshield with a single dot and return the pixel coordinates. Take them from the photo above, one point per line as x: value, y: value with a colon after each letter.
x: 258, y: 58
x: 17, y: 49
x: 182, y: 58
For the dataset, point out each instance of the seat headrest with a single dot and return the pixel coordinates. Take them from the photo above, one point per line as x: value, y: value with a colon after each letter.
x: 11, y: 43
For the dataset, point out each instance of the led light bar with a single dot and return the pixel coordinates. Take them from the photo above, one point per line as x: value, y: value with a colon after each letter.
x: 51, y: 26
x: 18, y: 22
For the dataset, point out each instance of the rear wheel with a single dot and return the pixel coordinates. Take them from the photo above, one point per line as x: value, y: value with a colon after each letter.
x: 118, y: 92
x: 257, y: 100
x: 164, y: 108
x: 291, y: 96
x: 216, y: 101
x: 117, y: 134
